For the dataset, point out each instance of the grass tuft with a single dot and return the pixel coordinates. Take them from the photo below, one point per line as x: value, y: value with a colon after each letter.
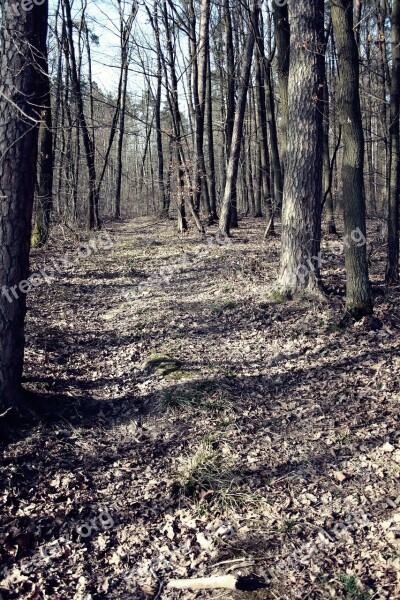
x: 207, y: 477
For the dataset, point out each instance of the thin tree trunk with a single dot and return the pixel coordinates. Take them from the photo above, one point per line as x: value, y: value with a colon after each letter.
x: 262, y: 122
x: 44, y: 186
x: 210, y: 141
x: 282, y: 37
x: 93, y: 221
x: 234, y: 154
x: 392, y: 269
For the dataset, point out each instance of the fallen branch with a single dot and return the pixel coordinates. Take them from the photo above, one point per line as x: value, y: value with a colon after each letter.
x: 4, y: 413
x: 247, y: 583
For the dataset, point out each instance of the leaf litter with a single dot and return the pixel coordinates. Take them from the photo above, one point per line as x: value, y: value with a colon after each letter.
x: 271, y: 447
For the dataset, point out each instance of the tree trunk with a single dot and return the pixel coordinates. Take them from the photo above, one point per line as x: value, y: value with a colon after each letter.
x: 230, y: 102
x: 22, y: 41
x: 200, y: 61
x: 93, y: 221
x: 392, y: 269
x: 210, y: 140
x: 262, y: 122
x: 120, y: 143
x: 282, y: 38
x: 234, y: 154
x: 44, y: 186
x: 358, y: 295
x: 302, y: 192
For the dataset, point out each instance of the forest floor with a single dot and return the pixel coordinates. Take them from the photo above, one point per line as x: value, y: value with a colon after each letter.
x: 200, y: 425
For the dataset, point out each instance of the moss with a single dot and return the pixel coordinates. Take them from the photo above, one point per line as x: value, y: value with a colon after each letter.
x: 163, y: 365
x: 278, y: 297
x: 175, y: 374
x: 36, y: 240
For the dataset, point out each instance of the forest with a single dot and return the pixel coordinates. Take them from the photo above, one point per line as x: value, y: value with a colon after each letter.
x: 199, y: 307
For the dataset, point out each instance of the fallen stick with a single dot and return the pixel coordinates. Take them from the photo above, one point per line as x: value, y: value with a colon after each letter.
x: 247, y: 583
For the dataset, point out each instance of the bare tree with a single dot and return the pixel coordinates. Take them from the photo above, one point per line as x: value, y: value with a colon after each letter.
x: 229, y: 199
x: 392, y: 269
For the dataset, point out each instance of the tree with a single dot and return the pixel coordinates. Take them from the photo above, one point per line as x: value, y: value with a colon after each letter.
x: 125, y: 32
x: 358, y: 293
x: 44, y: 187
x: 22, y: 46
x: 392, y: 269
x: 200, y: 62
x: 282, y: 38
x: 262, y: 120
x: 302, y: 191
x: 88, y: 140
x: 229, y: 199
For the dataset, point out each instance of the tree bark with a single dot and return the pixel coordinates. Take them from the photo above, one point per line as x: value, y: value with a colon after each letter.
x: 210, y: 140
x: 282, y: 38
x: 44, y: 186
x: 358, y: 294
x: 262, y: 122
x: 392, y: 268
x: 302, y: 192
x: 22, y: 41
x: 234, y: 154
x: 200, y: 61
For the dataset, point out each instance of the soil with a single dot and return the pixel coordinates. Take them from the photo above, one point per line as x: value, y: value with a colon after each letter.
x: 193, y: 423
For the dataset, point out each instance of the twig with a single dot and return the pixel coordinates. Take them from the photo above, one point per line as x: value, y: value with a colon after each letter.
x: 4, y: 413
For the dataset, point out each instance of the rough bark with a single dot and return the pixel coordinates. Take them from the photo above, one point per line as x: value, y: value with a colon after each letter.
x: 302, y: 192
x: 358, y: 294
x: 282, y: 38
x: 22, y: 41
x: 199, y: 88
x: 392, y: 269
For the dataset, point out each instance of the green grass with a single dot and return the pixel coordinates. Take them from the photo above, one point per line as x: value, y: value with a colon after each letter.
x: 287, y: 527
x: 277, y: 297
x: 352, y: 589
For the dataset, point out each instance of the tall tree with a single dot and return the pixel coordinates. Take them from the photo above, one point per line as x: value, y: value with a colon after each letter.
x: 44, y: 186
x: 392, y: 269
x: 229, y: 199
x: 88, y: 140
x: 262, y: 121
x: 124, y: 35
x: 358, y: 293
x: 22, y: 48
x: 282, y: 37
x: 302, y: 191
x: 201, y: 60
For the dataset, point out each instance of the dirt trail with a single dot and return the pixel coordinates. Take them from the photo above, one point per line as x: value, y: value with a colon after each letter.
x: 210, y: 422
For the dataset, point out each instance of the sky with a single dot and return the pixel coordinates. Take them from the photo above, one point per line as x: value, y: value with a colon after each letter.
x: 103, y: 19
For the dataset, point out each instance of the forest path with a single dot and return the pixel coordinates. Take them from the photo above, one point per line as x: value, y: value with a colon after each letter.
x: 210, y: 422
